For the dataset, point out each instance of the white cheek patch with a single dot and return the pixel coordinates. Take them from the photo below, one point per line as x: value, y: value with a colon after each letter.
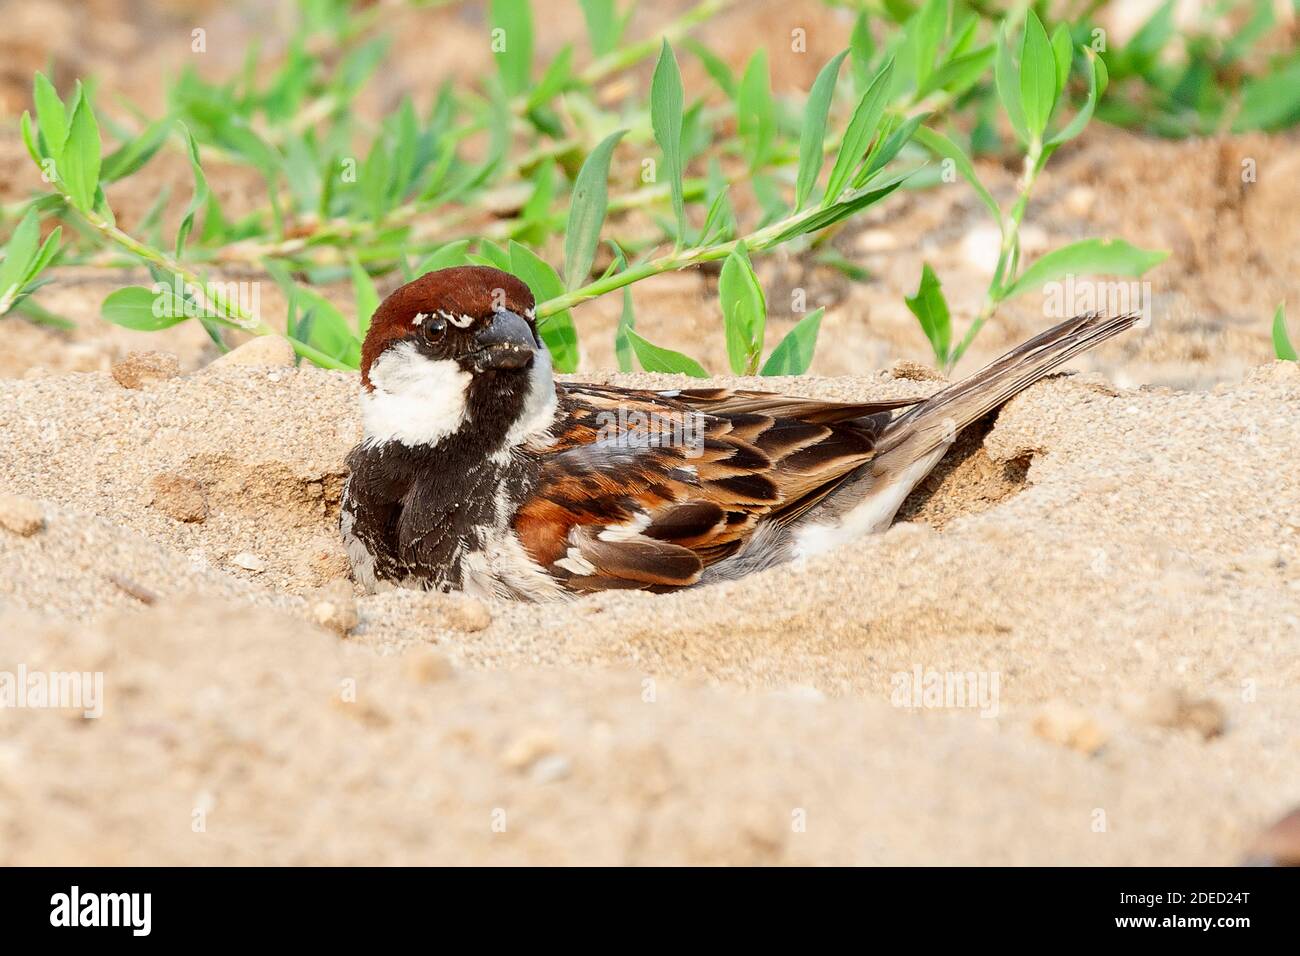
x: 416, y: 400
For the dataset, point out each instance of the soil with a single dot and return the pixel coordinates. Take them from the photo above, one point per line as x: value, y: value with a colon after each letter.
x: 1110, y: 564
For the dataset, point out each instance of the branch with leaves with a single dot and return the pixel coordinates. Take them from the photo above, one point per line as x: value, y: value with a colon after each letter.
x: 553, y: 143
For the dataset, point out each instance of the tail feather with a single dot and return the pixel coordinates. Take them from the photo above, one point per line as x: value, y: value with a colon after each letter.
x: 936, y: 421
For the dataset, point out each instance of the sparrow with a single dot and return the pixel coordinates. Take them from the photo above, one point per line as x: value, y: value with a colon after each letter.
x: 479, y: 472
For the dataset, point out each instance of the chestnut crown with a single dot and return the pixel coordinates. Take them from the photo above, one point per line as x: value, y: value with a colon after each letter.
x: 451, y: 314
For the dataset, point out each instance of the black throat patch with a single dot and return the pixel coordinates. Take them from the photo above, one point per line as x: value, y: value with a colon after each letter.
x: 419, y: 511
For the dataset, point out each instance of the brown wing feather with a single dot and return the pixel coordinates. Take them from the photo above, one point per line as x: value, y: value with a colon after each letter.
x: 623, y: 502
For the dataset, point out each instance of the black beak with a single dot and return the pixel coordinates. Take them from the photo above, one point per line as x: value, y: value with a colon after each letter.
x: 504, y: 343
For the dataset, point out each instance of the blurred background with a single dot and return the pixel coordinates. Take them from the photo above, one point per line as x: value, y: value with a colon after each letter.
x: 1191, y: 151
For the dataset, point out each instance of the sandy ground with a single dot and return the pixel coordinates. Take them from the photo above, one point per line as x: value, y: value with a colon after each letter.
x: 1126, y: 565
x: 1111, y: 568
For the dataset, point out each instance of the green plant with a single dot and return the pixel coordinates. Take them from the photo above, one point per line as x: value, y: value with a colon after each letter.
x: 1030, y: 86
x: 407, y: 158
x: 1282, y: 346
x: 1205, y: 79
x: 25, y: 257
x: 346, y: 199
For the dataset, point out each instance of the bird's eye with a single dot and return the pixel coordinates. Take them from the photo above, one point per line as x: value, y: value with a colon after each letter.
x: 434, y: 328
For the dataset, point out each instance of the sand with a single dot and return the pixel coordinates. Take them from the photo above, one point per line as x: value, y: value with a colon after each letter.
x: 1110, y: 568
x: 1126, y: 562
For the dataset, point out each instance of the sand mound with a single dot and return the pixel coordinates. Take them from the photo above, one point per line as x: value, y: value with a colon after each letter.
x: 1125, y: 565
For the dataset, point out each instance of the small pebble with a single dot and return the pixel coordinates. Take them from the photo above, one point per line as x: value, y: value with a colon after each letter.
x: 460, y: 612
x: 322, y: 559
x: 334, y: 607
x: 914, y: 372
x: 139, y: 369
x: 425, y: 665
x: 980, y: 247
x: 179, y: 497
x: 1174, y: 708
x: 1070, y: 726
x: 528, y: 748
x: 21, y: 515
x: 550, y: 768
x: 249, y: 562
x: 270, y: 350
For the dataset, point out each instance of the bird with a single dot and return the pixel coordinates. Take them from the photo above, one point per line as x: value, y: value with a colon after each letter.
x: 478, y: 471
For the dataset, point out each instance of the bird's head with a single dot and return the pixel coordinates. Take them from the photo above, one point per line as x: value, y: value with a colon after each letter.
x: 454, y: 347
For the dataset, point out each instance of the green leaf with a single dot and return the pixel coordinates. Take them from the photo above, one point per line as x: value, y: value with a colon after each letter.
x: 19, y: 252
x: 374, y: 178
x: 862, y: 48
x: 666, y: 118
x: 557, y: 78
x: 199, y: 198
x: 29, y: 140
x: 887, y: 150
x: 322, y: 326
x: 81, y: 156
x: 452, y: 254
x: 37, y: 314
x: 942, y: 146
x: 715, y: 66
x: 858, y: 135
x: 1007, y: 77
x: 557, y: 331
x: 50, y: 116
x: 925, y: 32
x: 587, y: 207
x: 744, y: 311
x: 720, y: 222
x: 143, y: 310
x: 1142, y: 50
x: 48, y: 250
x: 1270, y: 101
x: 836, y: 212
x: 1282, y: 346
x: 364, y: 294
x: 1261, y: 21
x: 535, y: 216
x: 494, y: 255
x: 512, y: 43
x: 1096, y: 82
x: 1088, y: 257
x: 131, y: 156
x: 755, y: 111
x: 960, y: 73
x: 1062, y: 55
x: 656, y: 359
x: 329, y: 330
x: 1037, y: 76
x: 769, y: 196
x: 604, y: 26
x: 812, y: 137
x: 931, y: 310
x: 794, y: 353
x: 626, y: 320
